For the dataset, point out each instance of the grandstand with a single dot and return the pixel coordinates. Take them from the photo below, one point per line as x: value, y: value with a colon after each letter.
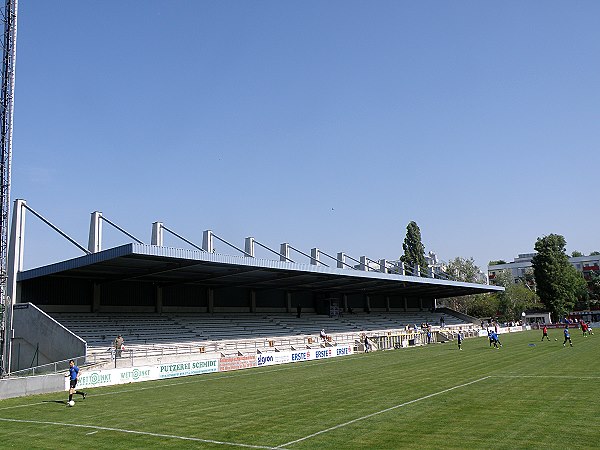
x: 149, y: 335
x: 171, y: 301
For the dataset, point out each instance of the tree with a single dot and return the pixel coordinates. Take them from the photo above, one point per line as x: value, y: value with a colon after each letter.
x: 594, y: 286
x: 559, y: 284
x: 576, y: 254
x: 595, y: 253
x: 414, y: 250
x: 463, y: 269
x: 496, y: 262
x: 482, y: 305
x: 516, y: 299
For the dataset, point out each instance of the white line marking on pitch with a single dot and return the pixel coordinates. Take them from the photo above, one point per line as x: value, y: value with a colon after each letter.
x: 91, y: 432
x: 568, y: 377
x: 144, y: 433
x: 380, y: 412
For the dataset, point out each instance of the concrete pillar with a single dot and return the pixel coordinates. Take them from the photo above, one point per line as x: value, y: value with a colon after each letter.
x: 405, y: 304
x: 96, y: 297
x: 16, y: 246
x: 420, y: 304
x: 210, y: 294
x: 367, y: 303
x: 345, y: 302
x: 383, y: 266
x: 249, y: 247
x: 288, y: 301
x: 341, y: 260
x: 363, y: 263
x: 387, y: 303
x: 159, y: 298
x: 284, y: 252
x: 95, y: 238
x: 252, y: 301
x: 208, y: 241
x: 157, y: 234
x: 314, y: 256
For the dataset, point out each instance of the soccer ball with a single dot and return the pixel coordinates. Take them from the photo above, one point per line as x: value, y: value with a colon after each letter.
x: 71, y: 403
x: 555, y: 339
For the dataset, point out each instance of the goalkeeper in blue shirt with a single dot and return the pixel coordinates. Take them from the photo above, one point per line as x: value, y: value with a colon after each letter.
x: 73, y: 376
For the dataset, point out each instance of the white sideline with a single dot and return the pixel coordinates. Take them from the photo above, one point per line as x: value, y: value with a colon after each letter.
x: 144, y: 433
x: 380, y: 412
x: 566, y: 377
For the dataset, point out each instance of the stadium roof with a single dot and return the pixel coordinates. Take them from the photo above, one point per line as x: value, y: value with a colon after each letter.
x: 172, y: 266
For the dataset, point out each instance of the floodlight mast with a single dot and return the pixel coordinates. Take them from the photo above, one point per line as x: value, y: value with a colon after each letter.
x: 7, y: 91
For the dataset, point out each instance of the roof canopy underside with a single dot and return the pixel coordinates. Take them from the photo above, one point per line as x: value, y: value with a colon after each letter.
x: 172, y: 266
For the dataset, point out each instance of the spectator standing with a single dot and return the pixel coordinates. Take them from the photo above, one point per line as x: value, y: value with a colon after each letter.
x: 459, y: 338
x: 119, y: 344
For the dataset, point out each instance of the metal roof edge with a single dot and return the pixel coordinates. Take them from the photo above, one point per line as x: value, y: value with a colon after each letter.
x: 188, y: 254
x: 74, y: 263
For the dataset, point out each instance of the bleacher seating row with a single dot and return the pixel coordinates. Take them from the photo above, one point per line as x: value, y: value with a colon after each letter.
x: 138, y: 329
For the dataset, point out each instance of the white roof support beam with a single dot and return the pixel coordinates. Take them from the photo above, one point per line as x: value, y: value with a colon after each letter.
x: 95, y: 238
x: 157, y: 234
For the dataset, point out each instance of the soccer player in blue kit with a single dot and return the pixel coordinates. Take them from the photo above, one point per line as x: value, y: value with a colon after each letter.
x: 567, y: 336
x: 73, y: 375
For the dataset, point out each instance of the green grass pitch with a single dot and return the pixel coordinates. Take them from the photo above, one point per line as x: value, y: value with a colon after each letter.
x: 528, y: 394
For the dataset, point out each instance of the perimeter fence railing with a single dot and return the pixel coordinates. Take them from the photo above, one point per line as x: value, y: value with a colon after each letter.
x: 50, y: 368
x: 157, y: 353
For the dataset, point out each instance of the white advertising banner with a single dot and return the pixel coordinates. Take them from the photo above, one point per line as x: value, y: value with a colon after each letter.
x: 97, y: 378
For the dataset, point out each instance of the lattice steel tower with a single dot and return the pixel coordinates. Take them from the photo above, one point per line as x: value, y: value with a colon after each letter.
x: 9, y: 58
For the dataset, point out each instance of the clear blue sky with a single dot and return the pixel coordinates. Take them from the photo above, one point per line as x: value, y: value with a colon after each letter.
x: 323, y: 124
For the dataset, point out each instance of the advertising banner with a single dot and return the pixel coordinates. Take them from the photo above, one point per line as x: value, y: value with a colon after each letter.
x: 97, y: 378
x: 236, y: 363
x: 273, y: 358
x: 188, y: 368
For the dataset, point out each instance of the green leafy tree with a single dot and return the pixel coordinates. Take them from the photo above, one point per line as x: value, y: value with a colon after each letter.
x: 516, y: 299
x: 559, y: 284
x: 464, y: 269
x: 504, y: 278
x: 482, y: 305
x: 518, y: 296
x: 595, y: 253
x: 576, y: 254
x: 594, y: 286
x: 496, y: 262
x: 414, y: 250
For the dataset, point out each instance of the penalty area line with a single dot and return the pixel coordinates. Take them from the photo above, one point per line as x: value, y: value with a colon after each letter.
x: 368, y: 416
x: 142, y: 433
